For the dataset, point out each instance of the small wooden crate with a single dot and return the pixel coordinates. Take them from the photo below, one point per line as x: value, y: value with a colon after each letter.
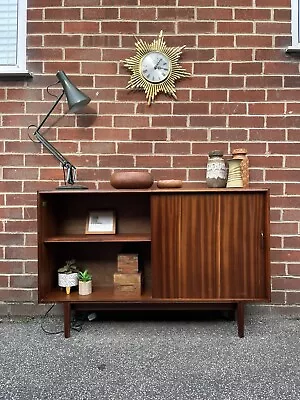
x: 128, y: 263
x: 127, y: 283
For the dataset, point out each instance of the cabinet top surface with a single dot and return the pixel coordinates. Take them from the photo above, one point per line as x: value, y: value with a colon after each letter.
x: 155, y: 190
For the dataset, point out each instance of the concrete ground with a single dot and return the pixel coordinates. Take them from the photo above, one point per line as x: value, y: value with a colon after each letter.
x: 151, y: 359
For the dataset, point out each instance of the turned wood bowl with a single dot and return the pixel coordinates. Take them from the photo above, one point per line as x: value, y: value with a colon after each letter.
x: 131, y: 180
x: 170, y: 183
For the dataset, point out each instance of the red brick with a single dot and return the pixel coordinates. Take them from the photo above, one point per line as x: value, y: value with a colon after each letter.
x: 116, y: 161
x: 177, y: 13
x: 294, y: 269
x: 16, y: 295
x: 164, y: 121
x: 31, y: 267
x: 293, y: 297
x: 62, y: 14
x: 138, y: 13
x: 279, y: 28
x: 188, y: 134
x: 21, y: 253
x: 228, y: 134
x: 286, y: 283
x: 3, y: 281
x: 168, y: 173
x: 23, y: 281
x: 15, y: 239
x: 44, y: 27
x: 156, y: 161
x: 44, y: 3
x: 292, y: 242
x: 62, y: 41
x: 134, y: 148
x: 291, y: 215
x: 170, y: 3
x: 172, y: 148
x: 78, y: 3
x: 277, y: 269
x: 149, y: 134
x: 278, y: 297
x: 209, y: 95
x: 246, y: 95
x: 118, y: 27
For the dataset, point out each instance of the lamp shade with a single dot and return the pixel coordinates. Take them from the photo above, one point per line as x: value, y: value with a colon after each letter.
x: 75, y: 97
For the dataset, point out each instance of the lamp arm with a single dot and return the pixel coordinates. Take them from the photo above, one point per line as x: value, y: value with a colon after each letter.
x: 71, y: 170
x: 50, y: 111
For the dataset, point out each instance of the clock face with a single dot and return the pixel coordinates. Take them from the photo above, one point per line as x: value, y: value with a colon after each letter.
x: 155, y: 67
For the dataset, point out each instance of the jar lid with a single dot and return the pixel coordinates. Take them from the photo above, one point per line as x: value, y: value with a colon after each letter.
x: 215, y: 153
x: 239, y: 151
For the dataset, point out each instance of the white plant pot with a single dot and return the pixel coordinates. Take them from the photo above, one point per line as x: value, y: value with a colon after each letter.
x: 67, y: 281
x: 85, y: 288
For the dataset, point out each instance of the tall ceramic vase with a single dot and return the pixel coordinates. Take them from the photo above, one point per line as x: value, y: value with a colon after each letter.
x: 216, y: 172
x: 234, y: 173
x: 242, y: 155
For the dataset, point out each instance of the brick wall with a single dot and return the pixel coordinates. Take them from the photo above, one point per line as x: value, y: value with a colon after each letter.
x: 244, y: 91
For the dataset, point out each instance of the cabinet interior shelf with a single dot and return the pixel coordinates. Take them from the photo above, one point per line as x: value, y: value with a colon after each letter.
x: 96, y: 238
x: 106, y: 294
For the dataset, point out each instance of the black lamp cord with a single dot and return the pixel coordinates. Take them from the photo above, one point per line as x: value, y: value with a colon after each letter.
x: 75, y: 325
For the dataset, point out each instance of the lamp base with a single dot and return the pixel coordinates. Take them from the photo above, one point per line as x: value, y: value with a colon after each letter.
x: 71, y: 187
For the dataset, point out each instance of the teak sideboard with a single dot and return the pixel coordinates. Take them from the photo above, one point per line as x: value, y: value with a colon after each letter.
x: 197, y: 248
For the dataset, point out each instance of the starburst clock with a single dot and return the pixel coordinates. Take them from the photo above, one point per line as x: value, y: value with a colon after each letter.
x: 155, y: 68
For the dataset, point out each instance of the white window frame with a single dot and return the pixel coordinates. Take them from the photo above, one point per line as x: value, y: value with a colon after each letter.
x: 20, y: 67
x: 295, y: 26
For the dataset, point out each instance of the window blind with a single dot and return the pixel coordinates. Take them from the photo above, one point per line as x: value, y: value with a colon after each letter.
x: 8, y: 32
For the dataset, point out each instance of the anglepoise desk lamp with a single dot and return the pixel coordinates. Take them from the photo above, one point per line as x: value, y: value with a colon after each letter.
x: 76, y: 101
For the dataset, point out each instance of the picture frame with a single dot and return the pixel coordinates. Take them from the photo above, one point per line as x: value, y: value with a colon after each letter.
x: 101, y: 222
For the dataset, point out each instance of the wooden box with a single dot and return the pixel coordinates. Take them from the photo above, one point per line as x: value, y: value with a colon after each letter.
x: 127, y: 283
x: 128, y: 263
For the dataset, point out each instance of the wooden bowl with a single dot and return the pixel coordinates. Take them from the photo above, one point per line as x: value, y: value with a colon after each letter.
x: 131, y: 180
x: 171, y: 183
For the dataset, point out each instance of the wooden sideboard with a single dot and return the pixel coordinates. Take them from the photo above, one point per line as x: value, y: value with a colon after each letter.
x: 197, y: 248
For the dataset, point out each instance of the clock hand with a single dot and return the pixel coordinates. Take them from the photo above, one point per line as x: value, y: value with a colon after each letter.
x: 156, y: 65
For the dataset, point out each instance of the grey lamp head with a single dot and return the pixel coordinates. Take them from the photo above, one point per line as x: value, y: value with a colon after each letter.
x: 75, y: 97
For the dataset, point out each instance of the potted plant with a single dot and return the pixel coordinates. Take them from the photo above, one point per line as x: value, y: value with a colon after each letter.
x: 85, y: 282
x: 67, y: 275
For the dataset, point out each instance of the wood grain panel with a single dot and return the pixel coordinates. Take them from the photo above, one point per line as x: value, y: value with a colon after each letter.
x: 198, y: 272
x: 242, y: 228
x: 165, y: 243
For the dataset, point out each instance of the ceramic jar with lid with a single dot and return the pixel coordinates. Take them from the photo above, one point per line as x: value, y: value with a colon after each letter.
x: 241, y: 154
x: 216, y: 171
x: 234, y: 173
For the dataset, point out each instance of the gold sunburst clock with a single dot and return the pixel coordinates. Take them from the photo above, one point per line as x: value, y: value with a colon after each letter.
x: 155, y: 68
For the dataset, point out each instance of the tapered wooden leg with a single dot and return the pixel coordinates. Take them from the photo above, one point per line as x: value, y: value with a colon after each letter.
x: 67, y: 319
x: 240, y: 319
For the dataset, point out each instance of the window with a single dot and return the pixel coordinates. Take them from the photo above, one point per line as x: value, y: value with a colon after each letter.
x: 13, y: 21
x: 295, y: 4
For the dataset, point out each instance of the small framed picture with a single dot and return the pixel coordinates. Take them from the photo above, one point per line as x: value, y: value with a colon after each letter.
x: 101, y: 222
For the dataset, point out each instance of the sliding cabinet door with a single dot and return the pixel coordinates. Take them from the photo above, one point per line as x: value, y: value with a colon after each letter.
x: 165, y: 244
x: 244, y: 246
x: 184, y: 242
x: 198, y: 277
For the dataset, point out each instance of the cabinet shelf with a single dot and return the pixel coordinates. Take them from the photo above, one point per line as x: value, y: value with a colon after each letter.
x: 99, y: 294
x: 107, y: 295
x: 122, y: 237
